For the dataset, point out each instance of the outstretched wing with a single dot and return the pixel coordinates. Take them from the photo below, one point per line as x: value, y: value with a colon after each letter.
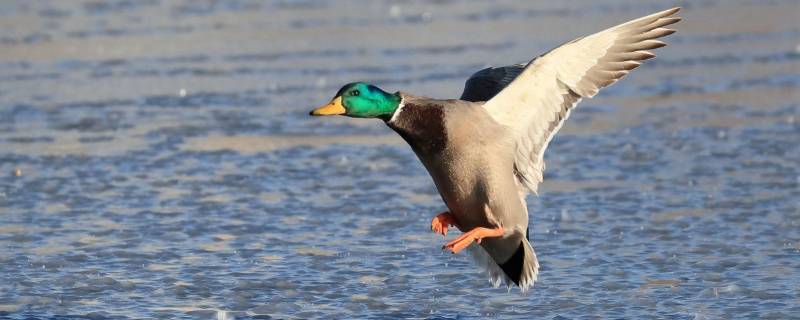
x: 536, y: 103
x: 486, y: 83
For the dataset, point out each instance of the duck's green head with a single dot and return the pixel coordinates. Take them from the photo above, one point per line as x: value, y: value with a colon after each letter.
x: 360, y: 100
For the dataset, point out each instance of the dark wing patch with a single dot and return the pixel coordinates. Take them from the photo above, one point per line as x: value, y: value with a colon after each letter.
x: 486, y: 83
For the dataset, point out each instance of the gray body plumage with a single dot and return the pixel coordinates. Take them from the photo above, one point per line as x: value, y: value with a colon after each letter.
x: 473, y: 170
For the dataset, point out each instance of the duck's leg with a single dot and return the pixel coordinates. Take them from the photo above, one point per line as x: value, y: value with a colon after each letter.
x: 474, y: 235
x: 441, y: 221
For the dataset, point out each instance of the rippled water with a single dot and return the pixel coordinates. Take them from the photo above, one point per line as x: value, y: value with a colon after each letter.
x: 157, y: 161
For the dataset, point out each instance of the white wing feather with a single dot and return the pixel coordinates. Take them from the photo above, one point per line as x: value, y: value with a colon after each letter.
x: 538, y: 101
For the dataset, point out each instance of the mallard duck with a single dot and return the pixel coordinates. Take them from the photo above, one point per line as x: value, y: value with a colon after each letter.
x: 485, y: 150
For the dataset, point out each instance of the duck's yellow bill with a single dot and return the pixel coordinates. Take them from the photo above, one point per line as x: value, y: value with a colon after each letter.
x: 333, y: 108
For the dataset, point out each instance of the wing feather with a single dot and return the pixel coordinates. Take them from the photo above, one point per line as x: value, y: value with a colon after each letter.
x: 486, y: 83
x: 538, y: 100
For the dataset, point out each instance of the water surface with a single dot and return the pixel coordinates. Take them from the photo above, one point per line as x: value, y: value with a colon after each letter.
x: 157, y: 161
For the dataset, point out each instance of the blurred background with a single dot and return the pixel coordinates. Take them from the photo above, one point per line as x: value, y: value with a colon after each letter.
x: 157, y: 161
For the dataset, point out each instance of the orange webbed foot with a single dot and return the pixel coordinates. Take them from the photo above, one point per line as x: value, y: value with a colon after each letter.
x: 474, y: 235
x: 441, y: 222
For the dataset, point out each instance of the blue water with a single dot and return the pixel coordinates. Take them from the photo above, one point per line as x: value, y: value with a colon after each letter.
x: 157, y: 161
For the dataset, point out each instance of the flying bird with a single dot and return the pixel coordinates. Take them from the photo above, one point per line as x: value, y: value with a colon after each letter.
x: 485, y: 150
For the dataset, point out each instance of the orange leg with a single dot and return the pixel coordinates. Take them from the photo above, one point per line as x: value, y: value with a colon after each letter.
x: 474, y: 235
x: 441, y: 221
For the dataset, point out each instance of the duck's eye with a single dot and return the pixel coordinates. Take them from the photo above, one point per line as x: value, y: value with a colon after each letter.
x: 355, y: 92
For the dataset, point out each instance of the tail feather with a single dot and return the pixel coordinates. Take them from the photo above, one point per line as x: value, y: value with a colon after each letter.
x: 530, y: 267
x: 513, y: 267
x: 521, y: 269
